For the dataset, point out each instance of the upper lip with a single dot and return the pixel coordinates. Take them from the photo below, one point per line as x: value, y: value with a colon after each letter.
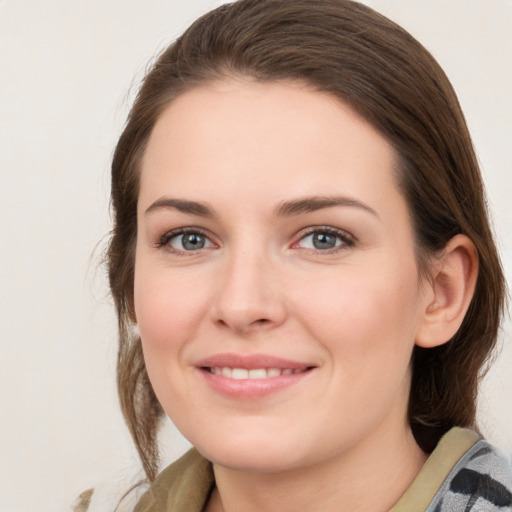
x: 250, y: 362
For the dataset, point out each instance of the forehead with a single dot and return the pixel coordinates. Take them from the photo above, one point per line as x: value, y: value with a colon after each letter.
x: 235, y: 138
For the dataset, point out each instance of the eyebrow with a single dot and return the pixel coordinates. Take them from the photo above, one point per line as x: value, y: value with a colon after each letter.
x: 290, y: 208
x: 182, y: 205
x: 311, y: 204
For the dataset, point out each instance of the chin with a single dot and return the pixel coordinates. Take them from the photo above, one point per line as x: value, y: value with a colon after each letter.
x: 255, y: 453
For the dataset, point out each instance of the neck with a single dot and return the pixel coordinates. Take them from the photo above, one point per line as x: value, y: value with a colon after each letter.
x: 364, y: 478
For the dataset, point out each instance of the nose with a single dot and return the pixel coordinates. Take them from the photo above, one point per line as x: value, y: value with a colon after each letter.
x: 249, y: 294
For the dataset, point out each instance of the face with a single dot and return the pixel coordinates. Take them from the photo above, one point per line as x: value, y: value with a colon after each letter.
x: 276, y: 287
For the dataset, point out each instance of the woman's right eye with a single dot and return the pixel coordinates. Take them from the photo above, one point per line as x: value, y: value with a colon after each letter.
x: 186, y: 241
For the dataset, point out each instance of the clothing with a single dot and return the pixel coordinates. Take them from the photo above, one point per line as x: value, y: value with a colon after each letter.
x: 464, y: 474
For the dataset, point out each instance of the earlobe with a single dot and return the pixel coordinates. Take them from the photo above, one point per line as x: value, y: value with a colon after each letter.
x: 452, y: 286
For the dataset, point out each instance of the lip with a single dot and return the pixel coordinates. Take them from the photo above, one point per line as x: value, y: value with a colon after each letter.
x: 250, y: 362
x: 251, y: 388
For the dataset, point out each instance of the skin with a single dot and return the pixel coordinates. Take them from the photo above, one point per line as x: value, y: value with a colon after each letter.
x: 259, y: 285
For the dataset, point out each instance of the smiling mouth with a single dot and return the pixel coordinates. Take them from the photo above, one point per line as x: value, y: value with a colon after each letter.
x: 251, y: 376
x: 255, y: 373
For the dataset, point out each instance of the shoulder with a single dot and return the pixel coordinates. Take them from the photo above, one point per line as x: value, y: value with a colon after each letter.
x: 480, y: 481
x: 463, y: 474
x: 184, y: 486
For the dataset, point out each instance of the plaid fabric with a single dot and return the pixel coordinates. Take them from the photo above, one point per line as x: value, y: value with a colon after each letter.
x: 481, y: 481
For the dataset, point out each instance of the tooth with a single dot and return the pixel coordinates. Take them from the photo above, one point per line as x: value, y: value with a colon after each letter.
x: 256, y: 373
x: 239, y: 373
x: 259, y: 373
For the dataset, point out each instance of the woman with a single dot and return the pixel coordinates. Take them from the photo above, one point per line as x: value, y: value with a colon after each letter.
x: 301, y: 243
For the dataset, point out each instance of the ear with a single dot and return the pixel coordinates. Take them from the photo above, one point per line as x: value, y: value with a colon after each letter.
x: 449, y: 293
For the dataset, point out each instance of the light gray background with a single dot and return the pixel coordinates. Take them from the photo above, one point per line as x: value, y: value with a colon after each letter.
x: 68, y: 72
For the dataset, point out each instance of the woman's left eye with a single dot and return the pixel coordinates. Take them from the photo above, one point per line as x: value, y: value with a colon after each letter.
x: 325, y: 240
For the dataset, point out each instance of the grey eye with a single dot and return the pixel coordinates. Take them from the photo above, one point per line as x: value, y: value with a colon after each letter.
x: 324, y: 241
x: 321, y: 240
x: 190, y: 242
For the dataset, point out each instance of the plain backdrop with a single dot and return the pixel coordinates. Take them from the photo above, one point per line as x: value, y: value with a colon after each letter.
x: 68, y: 72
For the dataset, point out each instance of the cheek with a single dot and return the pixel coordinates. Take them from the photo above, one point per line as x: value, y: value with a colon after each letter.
x: 168, y: 307
x: 362, y: 314
x: 168, y: 310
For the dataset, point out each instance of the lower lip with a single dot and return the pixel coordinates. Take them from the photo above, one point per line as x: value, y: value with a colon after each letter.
x: 251, y: 388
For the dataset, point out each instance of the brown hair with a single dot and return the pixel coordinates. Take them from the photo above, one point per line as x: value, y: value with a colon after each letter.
x: 355, y: 54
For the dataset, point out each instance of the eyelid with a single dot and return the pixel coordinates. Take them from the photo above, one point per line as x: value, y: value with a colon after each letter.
x: 163, y: 241
x: 348, y: 240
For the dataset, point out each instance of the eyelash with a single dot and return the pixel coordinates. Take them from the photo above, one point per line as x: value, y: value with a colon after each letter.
x: 347, y: 240
x: 164, y: 240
